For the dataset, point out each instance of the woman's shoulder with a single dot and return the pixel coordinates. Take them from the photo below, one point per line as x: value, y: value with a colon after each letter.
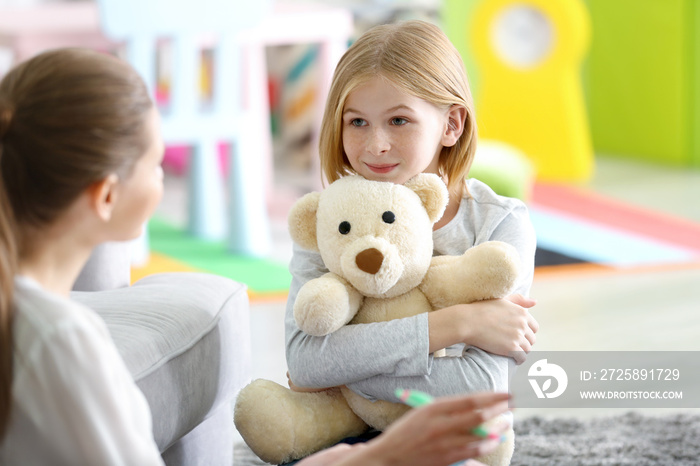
x: 41, y: 306
x: 41, y: 316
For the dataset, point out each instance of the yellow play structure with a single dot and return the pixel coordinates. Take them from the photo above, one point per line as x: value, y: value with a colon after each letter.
x: 528, y: 54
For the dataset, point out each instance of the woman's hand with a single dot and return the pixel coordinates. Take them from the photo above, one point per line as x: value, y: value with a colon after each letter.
x: 436, y: 434
x: 500, y: 326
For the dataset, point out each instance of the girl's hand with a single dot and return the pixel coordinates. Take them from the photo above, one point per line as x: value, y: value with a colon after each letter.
x: 499, y: 326
x: 503, y: 326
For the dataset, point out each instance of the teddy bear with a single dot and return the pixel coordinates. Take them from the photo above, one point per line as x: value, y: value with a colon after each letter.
x: 375, y: 238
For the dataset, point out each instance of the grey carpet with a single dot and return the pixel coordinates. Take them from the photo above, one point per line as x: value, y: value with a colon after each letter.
x: 629, y: 439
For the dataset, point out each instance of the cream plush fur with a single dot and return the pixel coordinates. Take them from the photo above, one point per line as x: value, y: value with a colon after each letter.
x: 375, y: 238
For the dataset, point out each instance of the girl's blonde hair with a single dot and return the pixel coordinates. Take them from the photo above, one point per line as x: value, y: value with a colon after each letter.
x: 419, y: 59
x: 68, y: 119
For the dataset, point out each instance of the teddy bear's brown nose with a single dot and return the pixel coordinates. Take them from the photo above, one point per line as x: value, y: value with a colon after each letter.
x: 370, y: 260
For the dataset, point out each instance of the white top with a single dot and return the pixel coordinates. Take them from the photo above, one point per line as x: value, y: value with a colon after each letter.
x: 74, y: 401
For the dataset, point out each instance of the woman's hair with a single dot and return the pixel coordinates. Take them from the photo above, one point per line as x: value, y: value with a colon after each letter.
x: 419, y: 59
x: 68, y: 119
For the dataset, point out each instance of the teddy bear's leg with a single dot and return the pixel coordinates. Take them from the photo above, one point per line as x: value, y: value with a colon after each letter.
x: 377, y: 414
x: 281, y: 425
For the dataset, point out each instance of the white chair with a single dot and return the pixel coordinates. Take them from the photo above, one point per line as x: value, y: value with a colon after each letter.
x: 140, y: 24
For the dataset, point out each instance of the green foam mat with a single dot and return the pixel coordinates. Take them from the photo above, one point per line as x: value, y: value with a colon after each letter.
x: 261, y: 275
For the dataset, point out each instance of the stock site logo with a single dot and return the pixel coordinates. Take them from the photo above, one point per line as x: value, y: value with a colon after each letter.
x: 541, y: 370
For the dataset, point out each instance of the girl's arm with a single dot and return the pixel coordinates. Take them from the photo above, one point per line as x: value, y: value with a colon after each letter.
x: 499, y: 326
x: 401, y: 348
x: 486, y: 325
x: 353, y: 352
x: 475, y: 371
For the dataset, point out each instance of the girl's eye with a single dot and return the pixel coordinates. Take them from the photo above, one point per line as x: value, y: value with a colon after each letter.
x: 357, y: 122
x: 398, y: 121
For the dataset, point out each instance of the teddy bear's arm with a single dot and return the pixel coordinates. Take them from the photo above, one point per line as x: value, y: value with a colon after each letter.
x: 325, y: 304
x: 486, y: 271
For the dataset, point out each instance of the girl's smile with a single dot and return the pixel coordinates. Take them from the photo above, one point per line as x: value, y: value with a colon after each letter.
x: 382, y: 169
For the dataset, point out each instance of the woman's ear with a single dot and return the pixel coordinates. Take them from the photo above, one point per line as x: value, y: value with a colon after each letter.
x: 456, y: 119
x: 103, y: 196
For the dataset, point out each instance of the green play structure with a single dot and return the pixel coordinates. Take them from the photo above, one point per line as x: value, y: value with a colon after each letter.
x: 642, y: 79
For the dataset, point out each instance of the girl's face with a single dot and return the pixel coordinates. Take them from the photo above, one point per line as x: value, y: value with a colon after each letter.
x: 142, y: 191
x: 389, y: 135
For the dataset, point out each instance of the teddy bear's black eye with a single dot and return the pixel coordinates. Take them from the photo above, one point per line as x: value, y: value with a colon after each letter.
x: 388, y: 217
x: 344, y: 228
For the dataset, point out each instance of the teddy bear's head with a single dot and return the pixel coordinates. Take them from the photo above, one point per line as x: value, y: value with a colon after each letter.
x: 376, y: 235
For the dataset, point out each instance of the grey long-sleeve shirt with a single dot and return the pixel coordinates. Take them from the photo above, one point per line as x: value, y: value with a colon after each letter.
x: 375, y: 359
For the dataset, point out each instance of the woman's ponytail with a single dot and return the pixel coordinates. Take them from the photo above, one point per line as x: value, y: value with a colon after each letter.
x: 8, y: 264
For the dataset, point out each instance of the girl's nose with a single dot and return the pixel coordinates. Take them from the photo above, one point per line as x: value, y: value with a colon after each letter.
x: 378, y: 142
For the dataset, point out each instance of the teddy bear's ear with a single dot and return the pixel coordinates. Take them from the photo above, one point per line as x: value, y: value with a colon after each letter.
x: 432, y: 192
x: 302, y: 221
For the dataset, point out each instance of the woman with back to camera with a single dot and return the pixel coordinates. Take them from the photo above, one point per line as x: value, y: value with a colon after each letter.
x: 80, y: 155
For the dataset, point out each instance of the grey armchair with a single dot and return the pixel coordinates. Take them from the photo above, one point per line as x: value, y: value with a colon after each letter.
x: 185, y: 338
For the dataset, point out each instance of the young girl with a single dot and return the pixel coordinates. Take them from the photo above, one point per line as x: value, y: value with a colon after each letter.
x: 80, y: 155
x: 400, y: 105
